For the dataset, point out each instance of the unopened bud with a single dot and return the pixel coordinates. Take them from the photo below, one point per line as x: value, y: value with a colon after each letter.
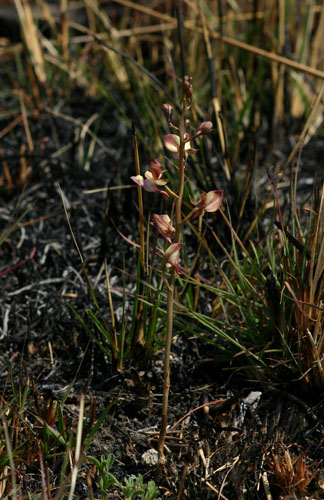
x: 204, y: 128
x: 187, y: 87
x: 168, y: 112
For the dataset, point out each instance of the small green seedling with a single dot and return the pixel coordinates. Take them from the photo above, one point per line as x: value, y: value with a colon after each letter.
x: 132, y: 487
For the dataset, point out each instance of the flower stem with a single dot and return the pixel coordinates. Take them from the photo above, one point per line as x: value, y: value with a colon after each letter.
x: 171, y: 292
x: 139, y: 338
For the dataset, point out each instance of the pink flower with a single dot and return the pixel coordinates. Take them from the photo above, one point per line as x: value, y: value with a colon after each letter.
x: 209, y: 202
x: 164, y: 226
x: 172, y: 255
x: 153, y: 179
x: 172, y: 144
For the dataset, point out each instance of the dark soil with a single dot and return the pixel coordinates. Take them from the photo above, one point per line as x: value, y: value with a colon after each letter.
x: 224, y: 450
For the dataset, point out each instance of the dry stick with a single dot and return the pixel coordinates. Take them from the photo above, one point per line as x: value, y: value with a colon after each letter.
x: 171, y: 292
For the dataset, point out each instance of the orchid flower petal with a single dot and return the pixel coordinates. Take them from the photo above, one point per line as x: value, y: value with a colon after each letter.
x: 172, y: 143
x: 156, y: 169
x: 149, y: 186
x: 172, y: 255
x: 213, y: 200
x: 209, y: 202
x: 161, y: 182
x: 157, y: 181
x: 138, y: 179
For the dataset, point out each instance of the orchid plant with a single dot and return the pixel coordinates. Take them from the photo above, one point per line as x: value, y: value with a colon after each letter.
x: 179, y: 145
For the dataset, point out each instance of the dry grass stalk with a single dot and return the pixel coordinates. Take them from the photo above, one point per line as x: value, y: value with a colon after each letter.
x: 188, y: 24
x: 111, y: 36
x: 308, y: 129
x: 302, y: 50
x: 31, y: 38
x: 216, y: 103
x: 278, y: 70
x: 47, y: 14
x: 26, y: 124
x: 64, y: 30
x: 318, y: 41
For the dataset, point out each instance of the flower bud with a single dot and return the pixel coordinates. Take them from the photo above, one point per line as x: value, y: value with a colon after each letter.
x: 204, y: 128
x: 187, y: 88
x: 172, y: 256
x: 168, y: 112
x: 164, y: 226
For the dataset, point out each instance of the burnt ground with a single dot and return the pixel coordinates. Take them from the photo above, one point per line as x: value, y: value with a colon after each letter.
x: 227, y: 451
